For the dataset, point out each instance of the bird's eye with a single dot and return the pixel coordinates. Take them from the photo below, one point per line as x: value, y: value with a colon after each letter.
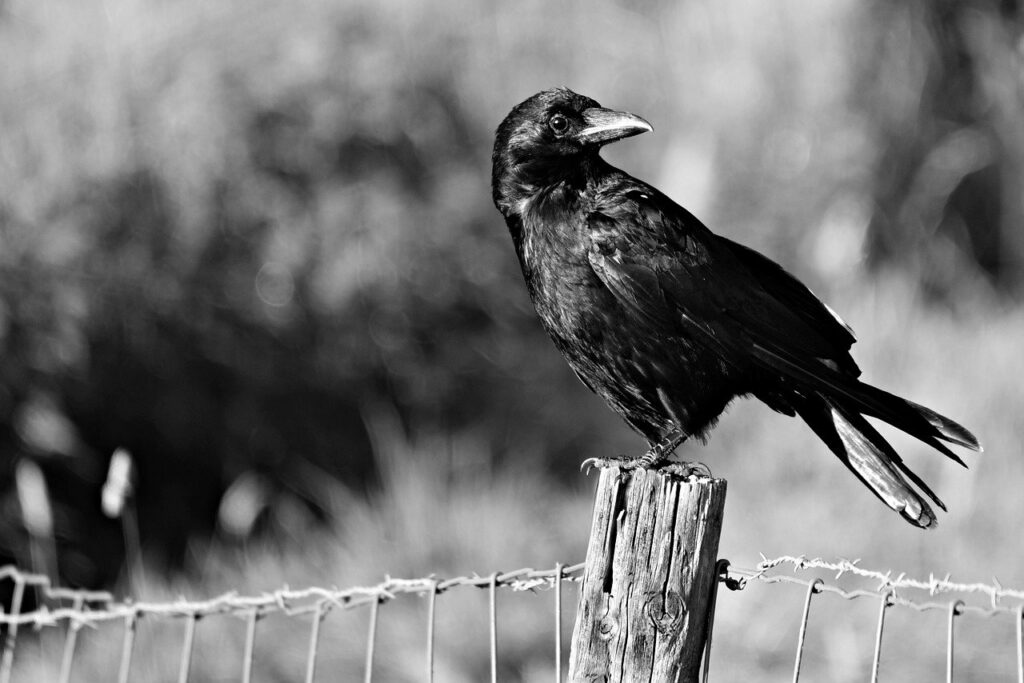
x: 559, y: 124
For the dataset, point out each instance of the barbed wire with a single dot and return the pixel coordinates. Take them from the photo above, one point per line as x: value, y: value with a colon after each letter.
x: 76, y: 609
x: 890, y: 590
x: 894, y: 586
x: 92, y: 608
x: 290, y: 602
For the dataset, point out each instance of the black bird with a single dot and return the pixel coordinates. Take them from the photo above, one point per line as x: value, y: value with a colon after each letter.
x: 669, y: 322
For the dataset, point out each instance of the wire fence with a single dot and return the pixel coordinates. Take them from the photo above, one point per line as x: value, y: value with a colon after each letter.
x: 890, y: 590
x: 66, y: 612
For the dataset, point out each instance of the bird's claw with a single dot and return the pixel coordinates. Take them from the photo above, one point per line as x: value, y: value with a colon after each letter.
x: 623, y: 462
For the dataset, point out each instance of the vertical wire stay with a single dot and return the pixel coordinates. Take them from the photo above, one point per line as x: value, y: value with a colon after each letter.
x: 371, y: 640
x: 1020, y: 643
x: 250, y: 645
x: 70, y: 642
x: 815, y: 587
x: 7, y: 662
x: 721, y: 571
x: 130, y: 623
x: 187, y: 647
x: 314, y: 641
x: 954, y: 610
x: 878, y: 636
x: 494, y: 627
x: 431, y: 616
x: 558, y: 623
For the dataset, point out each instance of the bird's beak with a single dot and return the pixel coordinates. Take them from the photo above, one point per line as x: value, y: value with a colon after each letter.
x: 608, y: 125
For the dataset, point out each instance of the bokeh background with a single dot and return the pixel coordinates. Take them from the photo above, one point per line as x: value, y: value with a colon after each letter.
x: 252, y: 243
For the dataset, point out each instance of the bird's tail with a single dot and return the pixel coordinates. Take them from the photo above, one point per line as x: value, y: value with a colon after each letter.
x: 839, y: 422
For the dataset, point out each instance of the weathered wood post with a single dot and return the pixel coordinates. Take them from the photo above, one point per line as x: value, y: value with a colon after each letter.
x: 650, y: 571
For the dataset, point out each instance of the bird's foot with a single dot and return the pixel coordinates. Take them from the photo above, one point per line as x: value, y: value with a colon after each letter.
x: 623, y: 462
x: 656, y: 458
x: 686, y: 470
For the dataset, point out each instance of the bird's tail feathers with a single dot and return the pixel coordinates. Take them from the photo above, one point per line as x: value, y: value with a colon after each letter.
x: 916, y: 420
x: 948, y: 429
x: 863, y: 450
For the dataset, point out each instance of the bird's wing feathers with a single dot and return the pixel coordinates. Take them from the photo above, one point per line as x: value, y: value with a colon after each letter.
x: 794, y: 294
x: 667, y: 268
x: 671, y: 272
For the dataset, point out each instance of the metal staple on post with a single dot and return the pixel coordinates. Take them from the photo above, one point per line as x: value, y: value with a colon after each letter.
x: 815, y: 587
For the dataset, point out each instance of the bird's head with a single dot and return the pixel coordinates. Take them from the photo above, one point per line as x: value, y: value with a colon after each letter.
x: 544, y: 139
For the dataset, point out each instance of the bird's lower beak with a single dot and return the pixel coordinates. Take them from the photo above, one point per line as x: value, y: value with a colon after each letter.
x: 608, y: 125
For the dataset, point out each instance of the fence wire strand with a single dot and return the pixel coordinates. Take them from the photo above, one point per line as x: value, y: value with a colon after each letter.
x: 891, y: 590
x: 814, y: 587
x: 877, y: 658
x: 100, y: 607
x: 91, y: 609
x: 431, y: 620
x: 77, y: 609
x: 186, y: 649
x: 558, y: 622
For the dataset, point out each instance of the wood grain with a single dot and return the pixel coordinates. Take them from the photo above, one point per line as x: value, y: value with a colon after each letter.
x: 648, y: 580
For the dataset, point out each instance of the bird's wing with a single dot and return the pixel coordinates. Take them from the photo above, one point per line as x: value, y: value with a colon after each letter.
x: 792, y: 293
x: 671, y: 271
x: 676, y: 276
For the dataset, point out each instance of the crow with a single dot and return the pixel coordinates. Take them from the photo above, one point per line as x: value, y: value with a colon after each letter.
x: 668, y: 322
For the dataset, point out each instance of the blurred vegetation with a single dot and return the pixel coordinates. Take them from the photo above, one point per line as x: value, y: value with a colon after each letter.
x: 236, y: 238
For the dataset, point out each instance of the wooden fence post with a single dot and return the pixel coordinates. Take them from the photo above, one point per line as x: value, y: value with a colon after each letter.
x: 650, y: 571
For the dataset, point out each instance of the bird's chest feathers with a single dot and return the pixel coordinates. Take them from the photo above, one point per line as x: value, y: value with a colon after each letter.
x: 566, y: 291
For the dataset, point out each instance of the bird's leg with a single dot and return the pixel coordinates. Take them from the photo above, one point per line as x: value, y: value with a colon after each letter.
x: 660, y: 451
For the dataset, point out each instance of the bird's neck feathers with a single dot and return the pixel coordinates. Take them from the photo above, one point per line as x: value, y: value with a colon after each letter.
x: 518, y: 184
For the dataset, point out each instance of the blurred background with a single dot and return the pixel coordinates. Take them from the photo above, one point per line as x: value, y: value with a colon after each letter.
x: 252, y: 243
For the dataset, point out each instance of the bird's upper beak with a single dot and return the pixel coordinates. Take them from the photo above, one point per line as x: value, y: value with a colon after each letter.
x: 608, y: 125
